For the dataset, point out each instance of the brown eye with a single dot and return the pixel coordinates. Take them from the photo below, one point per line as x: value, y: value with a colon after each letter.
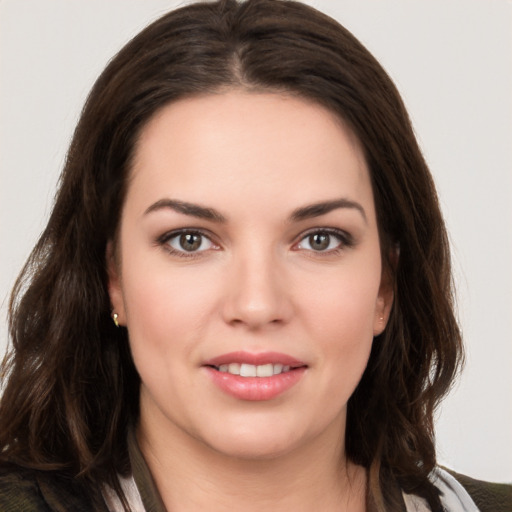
x: 319, y: 241
x: 324, y: 241
x: 189, y: 242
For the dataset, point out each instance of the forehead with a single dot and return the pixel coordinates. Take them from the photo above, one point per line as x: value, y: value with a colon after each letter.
x: 259, y: 146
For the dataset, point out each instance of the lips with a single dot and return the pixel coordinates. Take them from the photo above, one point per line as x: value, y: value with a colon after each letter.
x: 248, y: 376
x: 261, y: 358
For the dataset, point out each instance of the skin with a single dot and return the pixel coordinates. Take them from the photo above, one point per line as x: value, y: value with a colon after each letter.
x: 256, y: 284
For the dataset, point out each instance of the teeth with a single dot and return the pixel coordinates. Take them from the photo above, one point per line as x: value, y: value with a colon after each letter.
x: 265, y: 370
x: 251, y: 370
x: 247, y: 370
x: 234, y: 368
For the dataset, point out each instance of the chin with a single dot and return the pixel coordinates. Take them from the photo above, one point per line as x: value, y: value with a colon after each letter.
x: 253, y: 448
x: 260, y: 440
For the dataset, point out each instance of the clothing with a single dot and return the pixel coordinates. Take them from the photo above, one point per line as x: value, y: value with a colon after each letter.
x: 453, y: 495
x: 23, y: 490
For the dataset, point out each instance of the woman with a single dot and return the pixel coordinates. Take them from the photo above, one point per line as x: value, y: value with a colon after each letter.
x: 243, y: 295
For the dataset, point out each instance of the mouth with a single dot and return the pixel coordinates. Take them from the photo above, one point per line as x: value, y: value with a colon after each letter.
x: 252, y: 370
x: 255, y: 377
x: 248, y: 364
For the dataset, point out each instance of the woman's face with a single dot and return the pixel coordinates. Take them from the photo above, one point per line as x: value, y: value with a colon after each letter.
x: 249, y: 273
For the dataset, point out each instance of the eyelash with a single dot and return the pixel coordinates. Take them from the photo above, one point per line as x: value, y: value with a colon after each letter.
x: 167, y: 237
x: 345, y: 241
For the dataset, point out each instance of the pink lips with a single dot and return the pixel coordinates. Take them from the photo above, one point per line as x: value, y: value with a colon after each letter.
x: 255, y: 388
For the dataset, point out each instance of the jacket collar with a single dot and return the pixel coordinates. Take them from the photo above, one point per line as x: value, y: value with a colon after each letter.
x: 145, y: 484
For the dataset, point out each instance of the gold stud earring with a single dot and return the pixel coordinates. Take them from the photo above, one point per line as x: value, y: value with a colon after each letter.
x: 115, y: 319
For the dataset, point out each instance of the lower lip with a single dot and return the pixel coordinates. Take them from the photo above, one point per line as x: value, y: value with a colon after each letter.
x: 256, y: 388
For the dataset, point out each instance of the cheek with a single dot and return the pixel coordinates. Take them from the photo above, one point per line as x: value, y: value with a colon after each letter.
x: 344, y: 303
x: 166, y: 307
x: 340, y: 319
x: 165, y: 321
x: 165, y: 301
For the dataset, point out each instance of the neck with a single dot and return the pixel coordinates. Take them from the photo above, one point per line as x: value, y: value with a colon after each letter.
x: 192, y: 476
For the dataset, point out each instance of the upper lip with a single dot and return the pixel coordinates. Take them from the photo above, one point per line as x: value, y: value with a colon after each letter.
x: 256, y: 359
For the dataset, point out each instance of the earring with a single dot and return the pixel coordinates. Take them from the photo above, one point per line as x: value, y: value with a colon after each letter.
x: 114, y: 318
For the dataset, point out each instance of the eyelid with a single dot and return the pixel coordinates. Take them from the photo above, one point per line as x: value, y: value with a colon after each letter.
x: 163, y: 240
x: 345, y: 238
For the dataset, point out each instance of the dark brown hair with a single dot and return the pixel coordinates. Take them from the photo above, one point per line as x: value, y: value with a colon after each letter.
x: 71, y: 388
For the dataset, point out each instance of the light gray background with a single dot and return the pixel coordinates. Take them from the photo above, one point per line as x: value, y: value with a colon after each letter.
x: 452, y: 61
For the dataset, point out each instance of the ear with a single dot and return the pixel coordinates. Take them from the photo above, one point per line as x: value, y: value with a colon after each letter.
x: 385, y: 298
x: 115, y: 290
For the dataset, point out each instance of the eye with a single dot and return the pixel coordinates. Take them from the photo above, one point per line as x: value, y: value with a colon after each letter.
x: 324, y: 241
x: 188, y: 242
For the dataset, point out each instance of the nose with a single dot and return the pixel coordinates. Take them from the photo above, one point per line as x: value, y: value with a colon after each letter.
x: 257, y: 295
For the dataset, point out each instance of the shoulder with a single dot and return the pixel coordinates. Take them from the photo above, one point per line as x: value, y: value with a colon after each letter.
x: 40, y: 491
x: 488, y: 496
x: 19, y: 490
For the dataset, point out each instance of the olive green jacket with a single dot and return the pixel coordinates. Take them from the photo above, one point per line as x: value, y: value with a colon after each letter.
x: 23, y: 490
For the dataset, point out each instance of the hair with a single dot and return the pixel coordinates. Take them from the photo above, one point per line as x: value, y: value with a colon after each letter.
x: 71, y: 388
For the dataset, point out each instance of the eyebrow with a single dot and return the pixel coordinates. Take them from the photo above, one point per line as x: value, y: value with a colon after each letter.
x: 299, y: 214
x: 324, y: 207
x: 194, y: 210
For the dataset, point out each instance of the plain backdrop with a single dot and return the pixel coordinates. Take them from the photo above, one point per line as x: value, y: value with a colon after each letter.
x: 452, y: 62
